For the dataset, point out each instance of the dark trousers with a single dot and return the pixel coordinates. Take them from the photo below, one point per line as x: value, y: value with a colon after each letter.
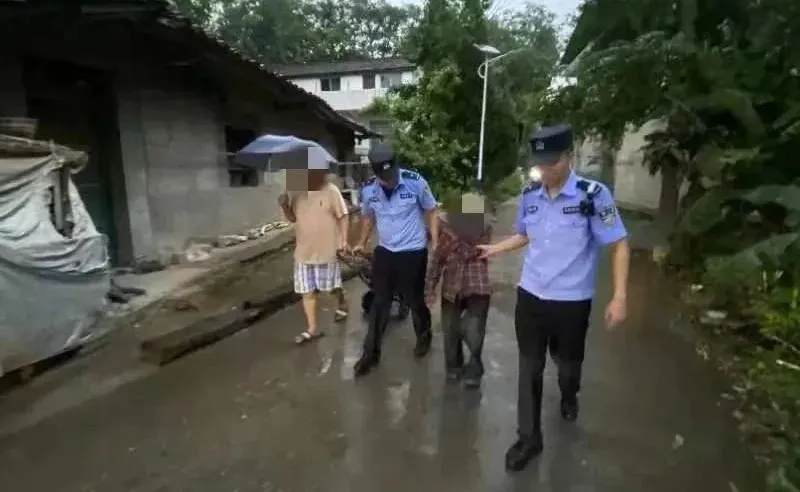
x: 404, y: 272
x: 541, y: 324
x: 464, y: 323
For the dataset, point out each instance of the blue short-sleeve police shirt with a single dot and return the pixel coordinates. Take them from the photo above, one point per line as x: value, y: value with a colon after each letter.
x: 561, y: 259
x: 400, y: 218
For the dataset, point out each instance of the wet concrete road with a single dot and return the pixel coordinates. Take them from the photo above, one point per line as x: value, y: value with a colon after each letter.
x: 255, y: 413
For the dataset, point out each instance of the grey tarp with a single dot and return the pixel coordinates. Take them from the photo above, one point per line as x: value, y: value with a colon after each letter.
x: 52, y: 288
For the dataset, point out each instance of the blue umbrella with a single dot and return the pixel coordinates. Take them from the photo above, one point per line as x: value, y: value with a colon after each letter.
x: 299, y: 154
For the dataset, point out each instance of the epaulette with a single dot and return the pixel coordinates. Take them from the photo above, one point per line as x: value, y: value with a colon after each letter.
x: 531, y: 186
x: 591, y: 188
x: 409, y: 175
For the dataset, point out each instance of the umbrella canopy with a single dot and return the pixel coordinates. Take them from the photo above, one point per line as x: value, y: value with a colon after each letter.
x: 278, y: 152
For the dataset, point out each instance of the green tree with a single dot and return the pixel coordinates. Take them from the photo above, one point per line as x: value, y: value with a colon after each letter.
x: 528, y: 73
x: 437, y: 120
x: 723, y: 79
x: 277, y: 32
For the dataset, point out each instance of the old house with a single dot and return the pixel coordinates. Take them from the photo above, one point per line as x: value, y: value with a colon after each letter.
x: 350, y: 87
x: 159, y: 106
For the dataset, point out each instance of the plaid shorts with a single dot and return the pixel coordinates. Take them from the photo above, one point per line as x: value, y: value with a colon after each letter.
x: 313, y: 277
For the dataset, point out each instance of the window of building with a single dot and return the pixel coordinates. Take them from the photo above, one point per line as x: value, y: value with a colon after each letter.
x: 331, y: 84
x: 369, y: 81
x: 389, y: 80
x: 239, y: 176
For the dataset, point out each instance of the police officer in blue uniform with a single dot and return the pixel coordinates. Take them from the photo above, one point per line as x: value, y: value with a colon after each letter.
x: 563, y: 220
x: 400, y: 203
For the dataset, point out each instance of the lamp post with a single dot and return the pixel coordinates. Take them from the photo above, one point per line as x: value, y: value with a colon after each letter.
x: 488, y: 52
x: 491, y: 54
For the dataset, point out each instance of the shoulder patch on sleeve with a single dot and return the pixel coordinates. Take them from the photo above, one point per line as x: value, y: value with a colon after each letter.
x: 608, y: 215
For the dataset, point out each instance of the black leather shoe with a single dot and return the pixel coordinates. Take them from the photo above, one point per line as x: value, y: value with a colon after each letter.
x: 522, y: 452
x: 422, y: 347
x: 365, y: 365
x: 569, y: 409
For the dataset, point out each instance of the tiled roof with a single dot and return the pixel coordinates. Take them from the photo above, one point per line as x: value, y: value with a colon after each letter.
x: 343, y: 68
x: 165, y: 14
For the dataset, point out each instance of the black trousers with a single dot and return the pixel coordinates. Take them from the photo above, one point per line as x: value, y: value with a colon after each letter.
x: 464, y: 323
x: 404, y: 272
x: 540, y: 324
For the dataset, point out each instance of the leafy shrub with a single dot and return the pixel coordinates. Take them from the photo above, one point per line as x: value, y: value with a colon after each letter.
x: 775, y: 372
x: 729, y: 282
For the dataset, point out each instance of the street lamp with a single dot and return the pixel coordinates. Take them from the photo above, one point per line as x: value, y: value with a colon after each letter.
x: 491, y: 54
x: 488, y: 53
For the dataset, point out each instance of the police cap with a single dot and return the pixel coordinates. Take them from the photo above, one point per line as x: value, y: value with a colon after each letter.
x: 549, y: 142
x: 382, y: 160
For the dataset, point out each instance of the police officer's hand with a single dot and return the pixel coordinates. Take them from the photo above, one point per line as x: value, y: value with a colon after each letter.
x: 616, y: 312
x: 357, y: 249
x: 486, y: 250
x: 434, y: 243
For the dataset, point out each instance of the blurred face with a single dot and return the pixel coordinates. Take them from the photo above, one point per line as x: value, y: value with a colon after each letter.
x: 554, y: 169
x: 470, y: 218
x: 305, y: 179
x: 472, y: 203
x: 316, y: 178
x: 297, y: 180
x: 389, y: 178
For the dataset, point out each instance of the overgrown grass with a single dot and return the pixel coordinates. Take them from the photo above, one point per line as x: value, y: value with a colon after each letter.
x: 759, y: 348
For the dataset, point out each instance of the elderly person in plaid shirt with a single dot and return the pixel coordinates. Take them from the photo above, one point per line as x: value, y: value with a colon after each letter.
x: 465, y: 289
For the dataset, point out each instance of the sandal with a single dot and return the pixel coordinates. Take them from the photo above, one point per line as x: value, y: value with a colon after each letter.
x: 306, y: 337
x: 340, y: 315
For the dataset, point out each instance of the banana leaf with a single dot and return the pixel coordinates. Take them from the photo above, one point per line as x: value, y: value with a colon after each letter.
x: 739, y: 104
x: 706, y: 212
x: 711, y: 160
x: 787, y: 196
x: 765, y: 254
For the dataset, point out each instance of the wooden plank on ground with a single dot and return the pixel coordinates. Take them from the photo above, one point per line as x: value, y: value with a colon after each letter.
x: 20, y: 374
x: 168, y: 347
x: 165, y: 348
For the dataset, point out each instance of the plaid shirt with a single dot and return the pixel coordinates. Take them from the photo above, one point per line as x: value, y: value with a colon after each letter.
x: 456, y: 263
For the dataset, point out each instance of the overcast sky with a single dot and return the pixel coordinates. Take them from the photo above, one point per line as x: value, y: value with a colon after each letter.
x: 562, y: 8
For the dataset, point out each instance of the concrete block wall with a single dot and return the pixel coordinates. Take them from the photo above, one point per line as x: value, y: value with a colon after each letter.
x: 177, y: 177
x: 633, y: 183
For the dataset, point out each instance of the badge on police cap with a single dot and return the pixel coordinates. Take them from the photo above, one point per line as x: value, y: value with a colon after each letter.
x: 608, y: 215
x: 539, y: 145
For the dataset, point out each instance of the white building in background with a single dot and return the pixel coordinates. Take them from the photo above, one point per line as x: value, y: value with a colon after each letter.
x: 351, y: 87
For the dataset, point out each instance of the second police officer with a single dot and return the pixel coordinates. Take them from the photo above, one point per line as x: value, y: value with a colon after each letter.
x: 400, y: 203
x: 563, y: 220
